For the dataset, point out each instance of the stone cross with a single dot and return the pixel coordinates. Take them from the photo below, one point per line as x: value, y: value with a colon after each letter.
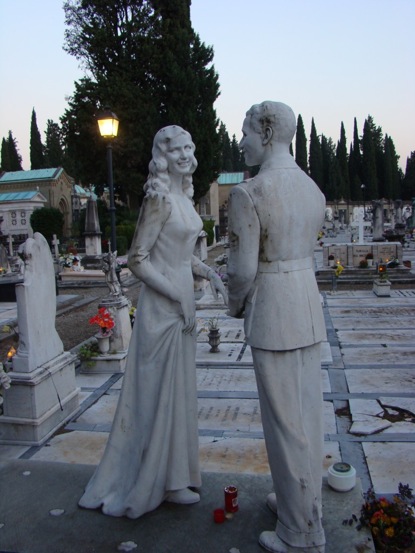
x: 10, y: 240
x: 55, y: 243
x: 361, y: 224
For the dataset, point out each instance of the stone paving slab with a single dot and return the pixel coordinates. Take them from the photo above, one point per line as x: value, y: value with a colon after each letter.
x: 378, y: 323
x: 26, y: 502
x: 390, y: 337
x: 356, y: 312
x: 388, y: 380
x: 231, y: 379
x: 390, y: 356
x: 390, y: 463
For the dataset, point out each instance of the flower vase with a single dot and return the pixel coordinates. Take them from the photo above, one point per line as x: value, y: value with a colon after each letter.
x: 103, y: 342
x: 369, y: 262
x: 214, y: 340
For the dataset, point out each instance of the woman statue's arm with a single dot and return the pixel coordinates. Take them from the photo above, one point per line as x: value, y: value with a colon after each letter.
x: 201, y: 269
x: 154, y: 213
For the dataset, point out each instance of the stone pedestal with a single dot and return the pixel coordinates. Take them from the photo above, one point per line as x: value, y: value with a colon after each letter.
x: 110, y: 363
x: 114, y: 361
x: 382, y: 288
x: 39, y: 402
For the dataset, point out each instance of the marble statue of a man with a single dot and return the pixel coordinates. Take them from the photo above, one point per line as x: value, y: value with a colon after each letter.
x: 274, y: 220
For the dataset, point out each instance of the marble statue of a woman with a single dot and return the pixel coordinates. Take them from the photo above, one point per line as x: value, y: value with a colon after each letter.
x: 152, y: 451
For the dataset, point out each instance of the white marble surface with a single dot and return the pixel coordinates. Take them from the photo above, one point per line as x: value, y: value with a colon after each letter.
x: 380, y: 380
x: 379, y: 356
x: 390, y: 463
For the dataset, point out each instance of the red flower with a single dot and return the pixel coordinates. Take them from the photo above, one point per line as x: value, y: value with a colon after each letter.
x: 103, y: 319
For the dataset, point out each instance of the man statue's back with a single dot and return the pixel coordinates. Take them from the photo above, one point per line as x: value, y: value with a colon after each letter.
x: 274, y: 220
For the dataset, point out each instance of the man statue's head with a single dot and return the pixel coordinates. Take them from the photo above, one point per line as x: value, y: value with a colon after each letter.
x: 266, y: 126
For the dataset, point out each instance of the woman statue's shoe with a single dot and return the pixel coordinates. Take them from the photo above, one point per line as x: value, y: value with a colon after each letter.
x: 183, y: 497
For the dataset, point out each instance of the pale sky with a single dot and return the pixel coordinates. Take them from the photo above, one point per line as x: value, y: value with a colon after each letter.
x: 328, y: 59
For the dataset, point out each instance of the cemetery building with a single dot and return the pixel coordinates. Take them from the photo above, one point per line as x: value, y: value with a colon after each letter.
x: 54, y: 184
x: 16, y: 209
x: 214, y: 204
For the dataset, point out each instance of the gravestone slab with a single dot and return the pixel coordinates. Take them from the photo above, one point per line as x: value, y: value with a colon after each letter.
x: 379, y: 356
x: 389, y: 464
x: 226, y: 380
x: 380, y: 380
x: 389, y: 337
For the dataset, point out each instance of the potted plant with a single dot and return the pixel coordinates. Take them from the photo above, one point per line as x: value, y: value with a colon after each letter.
x: 382, y: 285
x: 392, y: 523
x: 213, y: 334
x: 331, y: 259
x: 105, y: 322
x: 363, y: 264
x: 369, y: 259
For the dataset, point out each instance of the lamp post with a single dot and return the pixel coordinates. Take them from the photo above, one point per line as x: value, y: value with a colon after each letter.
x: 108, y: 128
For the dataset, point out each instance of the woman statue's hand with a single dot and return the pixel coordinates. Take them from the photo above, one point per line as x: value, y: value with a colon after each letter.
x: 217, y: 285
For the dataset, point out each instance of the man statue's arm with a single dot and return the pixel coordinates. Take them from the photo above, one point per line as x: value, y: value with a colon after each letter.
x: 244, y: 233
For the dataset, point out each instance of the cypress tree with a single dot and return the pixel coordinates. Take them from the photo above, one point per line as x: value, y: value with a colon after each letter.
x: 237, y: 157
x: 53, y: 146
x: 343, y: 165
x: 5, y: 159
x: 369, y: 163
x: 301, y: 145
x: 408, y: 185
x: 315, y: 157
x: 36, y: 146
x: 355, y: 166
x: 14, y: 157
x: 226, y: 162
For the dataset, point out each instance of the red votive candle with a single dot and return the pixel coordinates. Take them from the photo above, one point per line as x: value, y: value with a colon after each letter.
x: 219, y: 516
x: 231, y: 499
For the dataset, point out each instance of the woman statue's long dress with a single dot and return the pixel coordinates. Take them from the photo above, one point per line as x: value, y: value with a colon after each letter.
x: 152, y: 451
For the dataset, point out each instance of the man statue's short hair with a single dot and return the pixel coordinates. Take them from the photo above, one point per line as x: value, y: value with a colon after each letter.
x: 276, y: 115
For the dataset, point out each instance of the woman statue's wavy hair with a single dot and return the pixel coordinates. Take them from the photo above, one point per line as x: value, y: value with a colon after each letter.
x: 159, y: 178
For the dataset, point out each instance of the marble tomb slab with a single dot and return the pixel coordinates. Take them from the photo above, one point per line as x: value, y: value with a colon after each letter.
x: 74, y: 447
x: 226, y: 380
x: 398, y: 337
x: 236, y: 415
x: 363, y: 323
x: 228, y: 353
x: 389, y: 464
x: 226, y: 335
x: 377, y: 312
x: 245, y: 455
x: 379, y: 356
x: 380, y: 380
x: 367, y: 417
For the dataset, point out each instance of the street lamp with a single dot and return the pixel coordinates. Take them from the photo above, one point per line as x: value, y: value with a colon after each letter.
x: 108, y: 128
x: 363, y: 187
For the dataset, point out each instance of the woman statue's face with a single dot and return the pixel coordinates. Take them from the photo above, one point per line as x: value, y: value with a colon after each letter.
x: 179, y: 155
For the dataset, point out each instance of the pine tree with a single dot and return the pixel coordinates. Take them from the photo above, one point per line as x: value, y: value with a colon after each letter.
x: 315, y: 157
x: 149, y: 66
x: 343, y: 165
x: 301, y: 145
x: 36, y: 146
x: 53, y: 146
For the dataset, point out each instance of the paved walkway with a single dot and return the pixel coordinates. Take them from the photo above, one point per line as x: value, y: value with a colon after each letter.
x: 368, y: 375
